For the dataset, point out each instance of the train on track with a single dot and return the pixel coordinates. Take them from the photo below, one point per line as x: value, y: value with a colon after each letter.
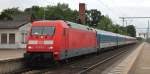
x: 58, y: 40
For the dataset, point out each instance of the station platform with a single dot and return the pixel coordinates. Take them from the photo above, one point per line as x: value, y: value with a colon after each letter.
x: 8, y: 54
x: 142, y: 63
x: 137, y: 62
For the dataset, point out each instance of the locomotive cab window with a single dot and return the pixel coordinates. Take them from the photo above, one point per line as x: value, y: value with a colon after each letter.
x: 43, y: 30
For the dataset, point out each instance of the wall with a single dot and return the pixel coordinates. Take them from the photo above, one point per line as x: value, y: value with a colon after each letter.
x: 23, y: 29
x: 18, y: 37
x: 8, y: 45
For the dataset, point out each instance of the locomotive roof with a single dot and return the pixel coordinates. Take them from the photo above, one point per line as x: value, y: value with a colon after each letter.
x: 79, y: 26
x: 50, y: 22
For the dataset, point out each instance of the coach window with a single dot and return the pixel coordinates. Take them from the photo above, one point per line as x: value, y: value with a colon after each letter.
x: 4, y: 38
x: 11, y: 38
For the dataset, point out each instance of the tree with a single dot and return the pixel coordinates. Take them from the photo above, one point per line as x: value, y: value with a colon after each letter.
x: 7, y: 14
x: 92, y: 17
x: 36, y: 12
x: 60, y: 11
x: 105, y: 23
x: 131, y: 30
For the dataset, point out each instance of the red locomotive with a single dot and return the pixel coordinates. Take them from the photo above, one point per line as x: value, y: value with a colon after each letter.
x: 59, y: 40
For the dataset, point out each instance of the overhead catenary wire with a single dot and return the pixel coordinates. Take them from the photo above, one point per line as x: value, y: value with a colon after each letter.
x: 111, y: 10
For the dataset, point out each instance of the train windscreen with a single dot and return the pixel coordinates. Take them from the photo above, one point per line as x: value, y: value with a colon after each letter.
x: 43, y: 30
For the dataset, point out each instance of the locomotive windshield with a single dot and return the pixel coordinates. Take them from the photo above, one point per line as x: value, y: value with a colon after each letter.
x: 43, y: 30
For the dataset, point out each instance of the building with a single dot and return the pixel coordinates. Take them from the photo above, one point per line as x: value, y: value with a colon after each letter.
x: 13, y: 34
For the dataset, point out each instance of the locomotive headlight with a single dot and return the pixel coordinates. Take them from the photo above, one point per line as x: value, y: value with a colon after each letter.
x: 32, y: 42
x: 48, y: 42
x: 29, y: 47
x: 51, y: 47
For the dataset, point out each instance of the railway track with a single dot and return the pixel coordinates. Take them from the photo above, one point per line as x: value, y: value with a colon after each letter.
x: 99, y: 63
x: 80, y: 65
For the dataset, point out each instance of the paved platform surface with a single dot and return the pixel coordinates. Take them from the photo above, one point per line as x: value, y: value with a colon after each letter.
x: 142, y: 65
x: 7, y: 54
x: 124, y: 66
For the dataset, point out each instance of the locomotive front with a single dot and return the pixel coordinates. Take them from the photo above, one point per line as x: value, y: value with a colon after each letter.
x: 41, y: 44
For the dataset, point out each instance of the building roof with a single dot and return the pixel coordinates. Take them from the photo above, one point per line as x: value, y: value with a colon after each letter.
x: 12, y: 24
x: 18, y: 21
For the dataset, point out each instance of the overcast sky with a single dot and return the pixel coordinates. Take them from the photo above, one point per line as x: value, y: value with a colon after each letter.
x: 113, y: 8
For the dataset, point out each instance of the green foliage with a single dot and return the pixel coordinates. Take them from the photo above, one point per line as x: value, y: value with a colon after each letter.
x: 131, y: 30
x: 141, y: 39
x: 105, y: 23
x: 92, y: 17
x: 35, y: 11
x: 7, y: 14
x: 61, y: 11
x: 121, y: 29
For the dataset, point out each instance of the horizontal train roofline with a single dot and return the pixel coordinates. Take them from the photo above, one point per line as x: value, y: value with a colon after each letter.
x: 84, y: 27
